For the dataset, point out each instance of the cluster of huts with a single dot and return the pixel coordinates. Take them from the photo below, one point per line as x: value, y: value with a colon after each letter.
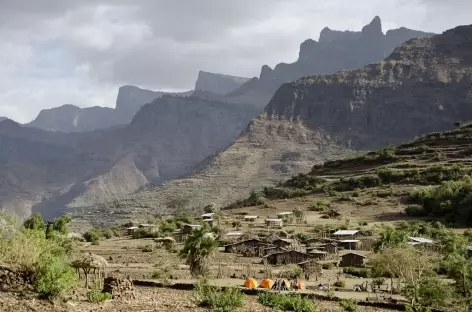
x: 346, y: 246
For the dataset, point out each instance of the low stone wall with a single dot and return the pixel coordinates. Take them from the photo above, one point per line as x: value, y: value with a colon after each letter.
x: 118, y: 287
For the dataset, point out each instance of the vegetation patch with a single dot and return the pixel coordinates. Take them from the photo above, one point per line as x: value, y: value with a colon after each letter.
x: 295, y: 303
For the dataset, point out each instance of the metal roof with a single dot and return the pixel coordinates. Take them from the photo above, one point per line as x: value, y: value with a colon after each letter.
x: 234, y: 233
x: 346, y: 232
x: 250, y: 217
x: 274, y: 220
x: 421, y: 240
x: 286, y: 213
x: 207, y: 215
x: 349, y: 241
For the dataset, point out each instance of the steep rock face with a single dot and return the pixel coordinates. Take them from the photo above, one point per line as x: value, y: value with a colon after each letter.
x: 335, y: 50
x: 218, y: 83
x: 423, y: 86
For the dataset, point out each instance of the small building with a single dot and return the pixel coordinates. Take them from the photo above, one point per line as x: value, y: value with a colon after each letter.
x: 469, y: 251
x: 274, y: 222
x: 346, y: 234
x: 151, y: 228
x: 414, y: 241
x: 285, y: 215
x: 265, y: 250
x: 329, y: 248
x: 234, y: 235
x: 131, y: 230
x: 207, y: 216
x: 189, y: 228
x: 318, y: 254
x: 285, y: 243
x: 250, y: 218
x: 247, y: 244
x: 350, y: 244
x: 353, y: 259
x: 287, y: 257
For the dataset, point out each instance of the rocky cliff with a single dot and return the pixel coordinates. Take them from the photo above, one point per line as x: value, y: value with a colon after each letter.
x: 218, y: 83
x: 335, y: 50
x: 424, y: 85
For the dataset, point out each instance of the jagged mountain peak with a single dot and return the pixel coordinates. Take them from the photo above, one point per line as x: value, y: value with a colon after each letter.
x: 374, y: 28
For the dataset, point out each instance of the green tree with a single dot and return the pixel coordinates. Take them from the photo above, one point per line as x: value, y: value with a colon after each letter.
x: 199, y: 248
x: 391, y: 238
x: 35, y: 222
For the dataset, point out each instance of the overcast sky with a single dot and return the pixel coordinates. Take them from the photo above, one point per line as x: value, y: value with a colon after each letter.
x: 54, y: 52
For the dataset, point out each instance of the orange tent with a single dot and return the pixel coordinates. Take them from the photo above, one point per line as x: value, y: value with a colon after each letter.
x: 300, y: 285
x: 267, y: 283
x: 250, y: 283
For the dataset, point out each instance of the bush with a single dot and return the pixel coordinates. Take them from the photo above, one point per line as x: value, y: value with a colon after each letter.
x: 348, y: 305
x: 54, y: 277
x: 320, y: 205
x: 95, y: 295
x: 147, y: 248
x: 222, y: 301
x: 291, y: 271
x: 340, y: 284
x: 359, y: 272
x: 107, y: 233
x: 295, y: 303
x: 91, y: 236
x: 415, y: 211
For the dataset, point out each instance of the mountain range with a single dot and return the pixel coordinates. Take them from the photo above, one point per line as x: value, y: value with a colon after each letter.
x: 206, y: 139
x: 424, y: 85
x: 71, y: 118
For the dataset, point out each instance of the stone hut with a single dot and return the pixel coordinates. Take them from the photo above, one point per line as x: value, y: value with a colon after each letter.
x: 287, y: 257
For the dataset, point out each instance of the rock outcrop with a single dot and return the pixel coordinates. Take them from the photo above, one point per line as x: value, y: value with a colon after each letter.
x: 335, y: 50
x: 218, y: 83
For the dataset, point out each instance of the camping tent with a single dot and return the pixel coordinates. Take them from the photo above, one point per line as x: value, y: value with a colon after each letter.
x: 267, y: 283
x: 250, y: 283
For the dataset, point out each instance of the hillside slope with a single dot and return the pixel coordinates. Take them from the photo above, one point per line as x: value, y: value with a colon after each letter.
x: 425, y: 84
x: 428, y: 177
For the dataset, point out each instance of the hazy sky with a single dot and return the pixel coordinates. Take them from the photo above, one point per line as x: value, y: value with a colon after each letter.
x: 54, y: 52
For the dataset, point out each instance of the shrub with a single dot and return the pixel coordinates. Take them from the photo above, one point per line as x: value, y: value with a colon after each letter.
x: 359, y: 272
x: 147, y: 248
x: 95, y: 295
x: 35, y: 222
x: 295, y: 303
x: 327, y: 266
x: 54, y: 277
x: 107, y: 233
x: 415, y: 211
x: 222, y: 301
x: 320, y: 205
x: 291, y: 271
x: 340, y: 284
x: 348, y: 305
x: 92, y: 236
